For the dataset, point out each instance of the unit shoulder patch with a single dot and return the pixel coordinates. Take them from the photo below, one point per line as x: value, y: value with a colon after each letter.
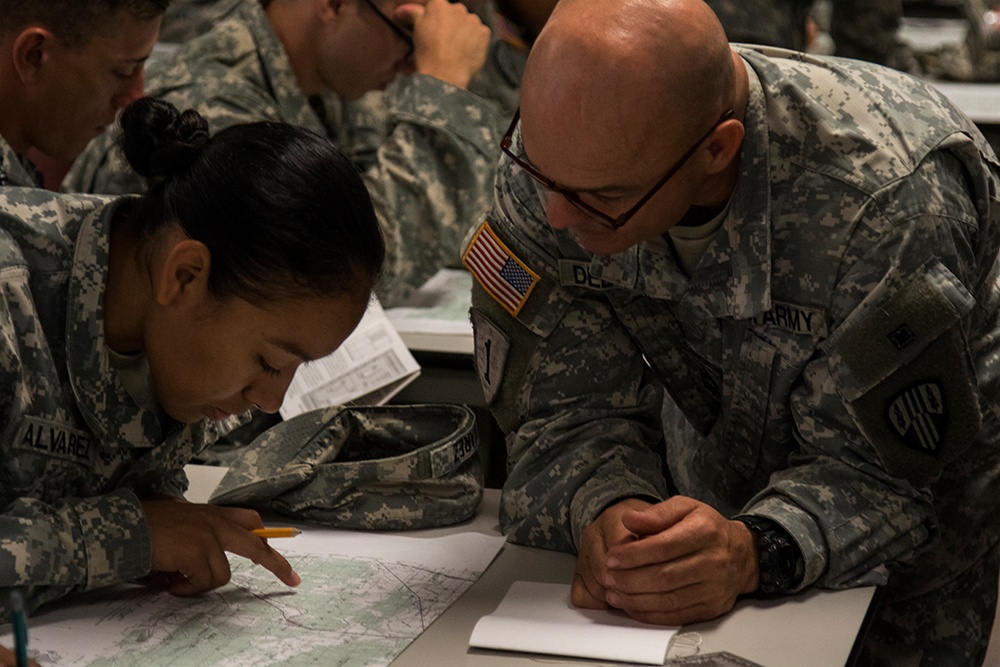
x: 492, y: 348
x: 919, y: 415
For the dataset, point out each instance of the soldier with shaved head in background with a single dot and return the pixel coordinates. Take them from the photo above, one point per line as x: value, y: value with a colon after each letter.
x: 737, y: 310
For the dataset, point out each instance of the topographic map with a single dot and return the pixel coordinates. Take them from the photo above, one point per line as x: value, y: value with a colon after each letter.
x: 350, y: 611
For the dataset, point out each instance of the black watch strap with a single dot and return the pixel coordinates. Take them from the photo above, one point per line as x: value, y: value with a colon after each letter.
x: 778, y: 556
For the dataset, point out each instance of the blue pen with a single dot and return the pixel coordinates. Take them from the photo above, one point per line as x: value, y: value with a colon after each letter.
x: 20, y: 624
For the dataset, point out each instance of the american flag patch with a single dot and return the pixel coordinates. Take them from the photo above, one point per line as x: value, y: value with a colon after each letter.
x: 498, y: 270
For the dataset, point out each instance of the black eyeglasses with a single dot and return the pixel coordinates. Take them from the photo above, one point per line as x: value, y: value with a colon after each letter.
x: 574, y: 198
x: 396, y: 28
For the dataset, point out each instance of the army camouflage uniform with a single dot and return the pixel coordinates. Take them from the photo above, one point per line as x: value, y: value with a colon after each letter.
x: 499, y: 81
x: 428, y: 179
x: 831, y: 364
x: 77, y: 452
x: 186, y: 19
x: 361, y: 126
x: 17, y: 170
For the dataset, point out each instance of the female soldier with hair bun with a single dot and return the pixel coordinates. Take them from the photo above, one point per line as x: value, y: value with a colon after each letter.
x: 134, y: 330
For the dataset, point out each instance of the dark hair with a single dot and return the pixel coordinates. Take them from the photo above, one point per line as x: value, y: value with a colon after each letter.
x: 74, y: 21
x: 282, y: 210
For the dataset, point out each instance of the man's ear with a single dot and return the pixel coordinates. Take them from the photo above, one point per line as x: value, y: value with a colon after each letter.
x: 724, y: 145
x: 183, y: 275
x: 31, y: 50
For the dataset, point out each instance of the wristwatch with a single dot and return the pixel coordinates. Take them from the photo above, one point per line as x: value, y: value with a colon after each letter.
x: 779, y: 559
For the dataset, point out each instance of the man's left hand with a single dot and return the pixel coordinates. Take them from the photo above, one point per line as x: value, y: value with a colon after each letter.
x: 686, y: 563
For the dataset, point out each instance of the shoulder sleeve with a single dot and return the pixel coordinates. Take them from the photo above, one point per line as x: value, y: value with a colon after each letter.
x: 896, y: 407
x: 564, y: 379
x: 430, y: 177
x: 75, y: 543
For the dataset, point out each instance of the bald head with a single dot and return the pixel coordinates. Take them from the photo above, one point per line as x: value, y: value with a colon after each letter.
x: 632, y: 63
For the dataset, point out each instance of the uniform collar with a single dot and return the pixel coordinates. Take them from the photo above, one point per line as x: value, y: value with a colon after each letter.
x: 110, y: 412
x: 733, y: 277
x: 107, y: 407
x: 294, y: 107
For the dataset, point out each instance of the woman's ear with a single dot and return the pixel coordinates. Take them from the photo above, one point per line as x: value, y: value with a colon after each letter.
x: 183, y: 275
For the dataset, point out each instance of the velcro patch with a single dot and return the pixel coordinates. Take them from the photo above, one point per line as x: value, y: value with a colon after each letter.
x: 50, y: 438
x: 903, y: 366
x: 504, y: 277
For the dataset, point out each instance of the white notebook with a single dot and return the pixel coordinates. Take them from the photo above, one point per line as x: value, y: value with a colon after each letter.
x: 539, y: 618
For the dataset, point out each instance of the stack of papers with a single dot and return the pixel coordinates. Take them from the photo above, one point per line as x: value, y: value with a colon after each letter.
x: 375, y: 362
x: 371, y: 367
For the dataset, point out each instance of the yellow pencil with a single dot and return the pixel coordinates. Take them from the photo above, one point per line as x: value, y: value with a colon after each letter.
x: 276, y: 532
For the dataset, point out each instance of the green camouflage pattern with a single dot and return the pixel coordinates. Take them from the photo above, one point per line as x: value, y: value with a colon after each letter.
x: 77, y: 452
x: 17, y: 170
x: 371, y: 468
x: 186, y: 19
x: 428, y: 178
x: 237, y: 73
x: 855, y: 276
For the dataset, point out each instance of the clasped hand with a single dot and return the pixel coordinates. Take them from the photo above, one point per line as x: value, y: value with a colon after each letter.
x: 190, y: 541
x: 675, y: 562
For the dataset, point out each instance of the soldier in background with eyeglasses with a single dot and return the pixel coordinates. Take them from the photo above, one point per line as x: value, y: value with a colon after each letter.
x: 302, y: 62
x: 738, y: 311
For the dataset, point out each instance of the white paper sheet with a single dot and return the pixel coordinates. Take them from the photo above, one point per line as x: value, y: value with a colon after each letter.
x: 435, y: 317
x: 539, y: 618
x: 371, y: 367
x: 203, y: 481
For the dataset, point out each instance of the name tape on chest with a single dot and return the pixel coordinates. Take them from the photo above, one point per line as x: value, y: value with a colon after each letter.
x: 577, y: 274
x: 504, y: 277
x: 797, y: 319
x: 51, y: 438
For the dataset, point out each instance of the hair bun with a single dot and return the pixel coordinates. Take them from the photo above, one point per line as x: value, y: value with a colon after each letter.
x: 158, y: 140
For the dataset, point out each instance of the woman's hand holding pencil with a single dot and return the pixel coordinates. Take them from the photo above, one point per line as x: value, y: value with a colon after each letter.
x: 190, y: 541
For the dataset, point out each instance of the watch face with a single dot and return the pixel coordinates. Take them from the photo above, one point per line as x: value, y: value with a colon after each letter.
x: 778, y: 557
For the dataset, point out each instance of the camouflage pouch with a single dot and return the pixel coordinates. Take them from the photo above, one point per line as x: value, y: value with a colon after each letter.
x: 374, y: 468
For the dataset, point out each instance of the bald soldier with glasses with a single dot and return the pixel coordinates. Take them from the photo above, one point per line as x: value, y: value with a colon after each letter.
x: 738, y: 311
